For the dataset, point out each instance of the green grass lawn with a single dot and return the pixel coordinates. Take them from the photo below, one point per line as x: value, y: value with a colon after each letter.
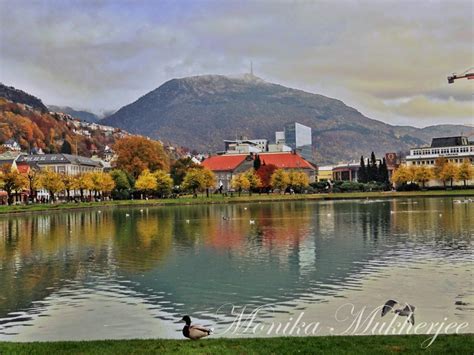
x: 411, y: 344
x: 245, y: 198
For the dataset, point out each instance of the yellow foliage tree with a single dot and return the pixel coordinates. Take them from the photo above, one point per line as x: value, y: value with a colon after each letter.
x: 253, y: 179
x: 84, y: 183
x: 70, y: 183
x: 402, y: 175
x: 449, y: 173
x: 164, y: 183
x: 298, y: 180
x: 422, y: 174
x: 465, y: 172
x: 199, y: 179
x: 280, y: 179
x: 11, y: 181
x: 240, y: 182
x: 146, y: 182
x: 51, y: 181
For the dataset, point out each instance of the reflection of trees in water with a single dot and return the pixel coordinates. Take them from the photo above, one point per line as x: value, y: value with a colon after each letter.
x: 39, y: 253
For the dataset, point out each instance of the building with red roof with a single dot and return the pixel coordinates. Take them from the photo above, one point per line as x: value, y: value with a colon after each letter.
x: 226, y: 166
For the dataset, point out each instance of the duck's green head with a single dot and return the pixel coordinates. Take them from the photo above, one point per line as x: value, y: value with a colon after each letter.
x: 186, y: 319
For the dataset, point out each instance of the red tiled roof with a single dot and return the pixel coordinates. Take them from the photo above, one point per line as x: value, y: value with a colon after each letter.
x: 224, y: 162
x: 285, y: 160
x: 23, y: 168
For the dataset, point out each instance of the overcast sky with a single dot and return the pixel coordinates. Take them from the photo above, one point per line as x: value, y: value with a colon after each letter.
x: 388, y: 59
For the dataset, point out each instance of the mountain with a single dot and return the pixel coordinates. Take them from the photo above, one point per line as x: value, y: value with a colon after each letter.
x: 200, y: 112
x: 21, y: 97
x: 81, y: 115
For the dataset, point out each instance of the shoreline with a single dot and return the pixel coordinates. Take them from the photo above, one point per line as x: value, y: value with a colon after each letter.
x: 355, y: 344
x: 214, y: 200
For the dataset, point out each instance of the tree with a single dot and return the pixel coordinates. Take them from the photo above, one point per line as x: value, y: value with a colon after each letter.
x: 70, y: 183
x: 198, y: 179
x: 240, y: 182
x: 439, y: 166
x: 465, y: 172
x: 422, y: 174
x: 101, y: 183
x: 32, y: 179
x: 265, y: 174
x: 66, y: 147
x: 180, y: 167
x: 51, y: 181
x: 84, y: 182
x: 372, y: 171
x: 383, y: 172
x: 135, y: 154
x: 449, y: 173
x: 257, y: 163
x: 146, y: 182
x: 121, y: 180
x: 164, y: 183
x: 11, y: 181
x: 280, y: 180
x: 253, y: 179
x: 402, y: 175
x: 362, y: 172
x: 298, y: 180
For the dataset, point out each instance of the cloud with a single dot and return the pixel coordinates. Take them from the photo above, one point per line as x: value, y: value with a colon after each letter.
x: 103, y: 55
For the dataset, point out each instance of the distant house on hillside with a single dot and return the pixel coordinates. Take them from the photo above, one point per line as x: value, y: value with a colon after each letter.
x: 12, y: 145
x: 226, y: 166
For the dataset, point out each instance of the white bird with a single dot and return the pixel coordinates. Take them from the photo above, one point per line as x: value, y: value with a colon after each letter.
x: 99, y: 211
x: 252, y: 221
x: 245, y: 208
x: 456, y: 201
x: 329, y: 215
x: 127, y: 215
x: 187, y: 221
x: 194, y: 332
x: 441, y: 215
x: 407, y: 311
x: 141, y: 210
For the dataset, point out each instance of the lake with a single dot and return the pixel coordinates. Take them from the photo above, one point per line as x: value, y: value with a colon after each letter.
x: 134, y: 272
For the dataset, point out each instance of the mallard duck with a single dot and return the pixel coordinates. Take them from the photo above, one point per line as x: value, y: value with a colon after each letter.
x: 194, y: 332
x: 407, y: 311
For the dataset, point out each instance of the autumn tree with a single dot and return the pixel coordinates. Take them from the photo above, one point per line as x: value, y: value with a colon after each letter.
x: 180, y: 167
x: 51, y: 181
x: 465, y: 172
x: 298, y: 180
x: 135, y: 154
x: 402, y: 175
x: 198, y: 180
x: 146, y: 182
x: 422, y: 174
x: 240, y: 182
x: 280, y: 180
x: 84, y: 183
x: 70, y: 183
x: 254, y: 180
x: 101, y: 183
x: 32, y: 180
x: 449, y: 173
x: 265, y: 173
x: 438, y: 167
x: 164, y: 183
x: 11, y: 181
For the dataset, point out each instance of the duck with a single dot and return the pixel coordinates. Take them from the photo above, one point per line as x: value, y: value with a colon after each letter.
x: 188, y: 221
x: 127, y: 215
x: 194, y: 332
x: 407, y: 311
x: 252, y: 221
x: 225, y: 218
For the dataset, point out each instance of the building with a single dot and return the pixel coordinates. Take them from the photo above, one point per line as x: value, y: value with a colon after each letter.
x: 325, y: 173
x: 346, y: 172
x: 12, y: 145
x: 298, y: 137
x: 61, y: 163
x: 454, y: 149
x: 226, y: 166
x: 239, y: 146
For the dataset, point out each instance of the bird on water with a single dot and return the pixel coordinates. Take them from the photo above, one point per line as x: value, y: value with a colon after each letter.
x: 407, y: 311
x: 194, y: 332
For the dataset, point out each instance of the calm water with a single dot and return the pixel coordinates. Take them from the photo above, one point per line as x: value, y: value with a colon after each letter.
x: 102, y: 274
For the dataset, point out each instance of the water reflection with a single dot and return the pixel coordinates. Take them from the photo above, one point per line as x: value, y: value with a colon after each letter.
x: 188, y: 259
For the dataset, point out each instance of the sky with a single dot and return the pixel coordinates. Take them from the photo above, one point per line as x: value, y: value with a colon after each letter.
x: 387, y: 59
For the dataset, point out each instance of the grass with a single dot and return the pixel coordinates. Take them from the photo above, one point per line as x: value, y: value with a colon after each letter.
x: 219, y: 199
x: 391, y: 344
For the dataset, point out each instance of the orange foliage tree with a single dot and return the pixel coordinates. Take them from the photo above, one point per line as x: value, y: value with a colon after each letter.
x: 135, y: 154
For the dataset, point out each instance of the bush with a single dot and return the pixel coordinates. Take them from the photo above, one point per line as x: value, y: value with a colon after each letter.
x: 408, y: 187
